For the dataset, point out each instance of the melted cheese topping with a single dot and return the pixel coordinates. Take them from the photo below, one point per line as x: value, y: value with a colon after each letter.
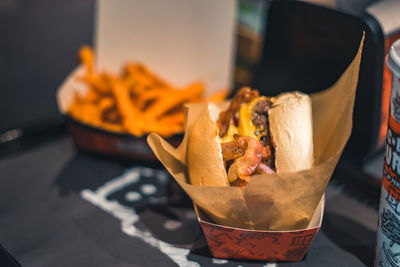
x: 228, y: 137
x: 246, y: 126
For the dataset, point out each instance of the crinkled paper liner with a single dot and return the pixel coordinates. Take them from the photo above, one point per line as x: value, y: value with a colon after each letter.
x: 281, y: 201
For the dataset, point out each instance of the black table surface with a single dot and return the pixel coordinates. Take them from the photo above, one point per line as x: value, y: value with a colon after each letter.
x: 51, y: 215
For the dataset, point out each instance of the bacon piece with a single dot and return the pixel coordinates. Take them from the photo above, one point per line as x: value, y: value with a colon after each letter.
x: 246, y: 163
x: 245, y: 157
x: 237, y: 148
x: 244, y: 95
x: 234, y: 149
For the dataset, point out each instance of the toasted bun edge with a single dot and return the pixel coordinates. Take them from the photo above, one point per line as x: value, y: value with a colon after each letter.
x: 290, y: 122
x: 204, y: 158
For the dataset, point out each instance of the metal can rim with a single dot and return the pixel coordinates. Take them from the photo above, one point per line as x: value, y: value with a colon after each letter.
x: 393, y: 58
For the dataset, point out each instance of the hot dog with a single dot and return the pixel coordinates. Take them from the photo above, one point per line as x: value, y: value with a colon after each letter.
x: 254, y: 135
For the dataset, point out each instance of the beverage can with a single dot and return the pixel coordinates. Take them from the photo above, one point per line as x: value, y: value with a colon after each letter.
x: 388, y: 231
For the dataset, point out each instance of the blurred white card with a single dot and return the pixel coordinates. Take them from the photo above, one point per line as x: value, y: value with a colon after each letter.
x: 183, y: 41
x: 387, y: 14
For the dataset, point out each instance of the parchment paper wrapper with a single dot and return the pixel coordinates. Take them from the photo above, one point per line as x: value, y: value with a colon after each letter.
x: 281, y: 201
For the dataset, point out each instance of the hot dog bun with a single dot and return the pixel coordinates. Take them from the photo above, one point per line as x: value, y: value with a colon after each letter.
x: 205, y: 163
x: 290, y: 121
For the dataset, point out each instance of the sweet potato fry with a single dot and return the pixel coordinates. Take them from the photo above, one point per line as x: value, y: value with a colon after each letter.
x: 163, y: 105
x: 164, y: 129
x: 130, y: 114
x: 144, y: 99
x: 87, y: 58
x: 97, y: 82
x: 92, y: 96
x: 106, y: 103
x: 141, y: 72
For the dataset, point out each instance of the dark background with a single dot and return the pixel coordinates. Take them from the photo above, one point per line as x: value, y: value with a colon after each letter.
x: 39, y: 41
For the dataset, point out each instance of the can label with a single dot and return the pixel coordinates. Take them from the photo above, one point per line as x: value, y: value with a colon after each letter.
x: 388, y: 232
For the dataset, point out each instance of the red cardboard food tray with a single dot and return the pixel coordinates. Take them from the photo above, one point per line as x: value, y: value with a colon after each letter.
x: 272, y: 246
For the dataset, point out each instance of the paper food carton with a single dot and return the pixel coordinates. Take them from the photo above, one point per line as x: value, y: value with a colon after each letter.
x: 182, y: 41
x: 276, y: 216
x: 236, y: 243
